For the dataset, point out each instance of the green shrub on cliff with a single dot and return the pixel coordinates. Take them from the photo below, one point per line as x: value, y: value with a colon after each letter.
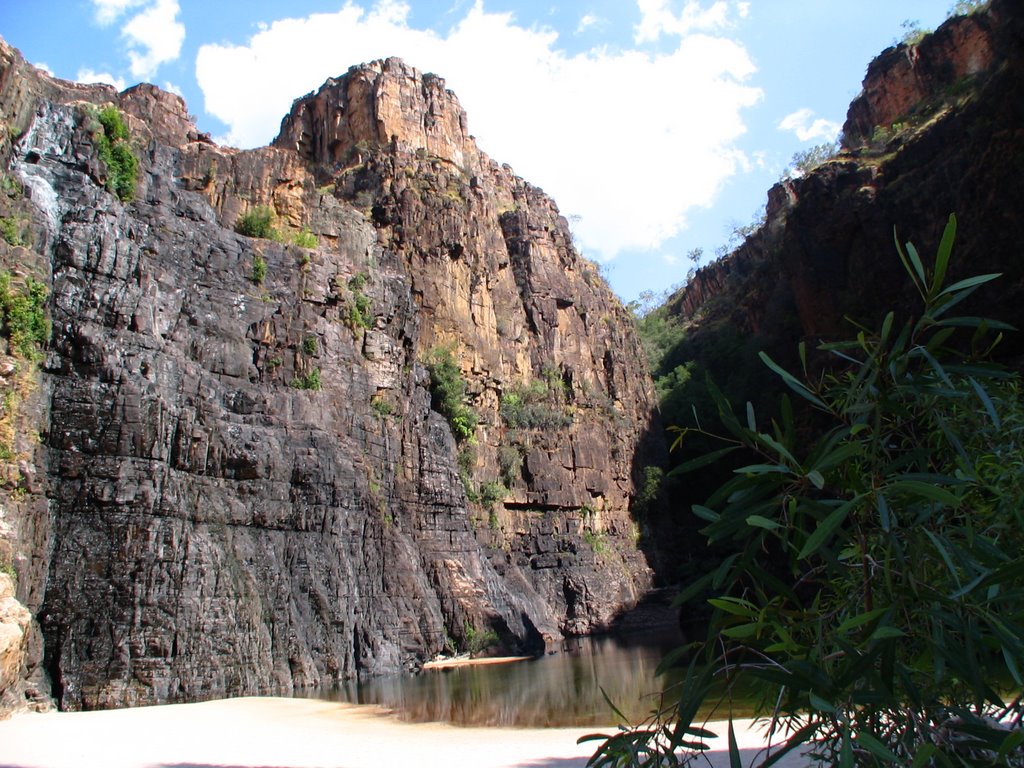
x: 537, y: 405
x: 257, y: 222
x: 24, y: 316
x: 310, y: 381
x: 448, y: 392
x: 112, y: 144
x: 874, y: 594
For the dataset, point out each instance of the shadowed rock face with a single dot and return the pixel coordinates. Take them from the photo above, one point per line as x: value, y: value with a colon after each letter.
x: 208, y: 527
x: 937, y: 129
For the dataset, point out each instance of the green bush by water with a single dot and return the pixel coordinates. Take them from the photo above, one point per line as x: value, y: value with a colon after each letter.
x: 872, y: 593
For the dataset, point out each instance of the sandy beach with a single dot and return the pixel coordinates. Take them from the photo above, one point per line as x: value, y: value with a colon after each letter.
x: 288, y: 733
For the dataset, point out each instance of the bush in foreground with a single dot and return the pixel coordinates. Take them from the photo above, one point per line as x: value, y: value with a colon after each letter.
x: 888, y: 628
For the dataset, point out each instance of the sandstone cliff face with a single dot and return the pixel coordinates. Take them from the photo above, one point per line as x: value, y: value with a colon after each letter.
x: 936, y: 130
x: 207, y: 526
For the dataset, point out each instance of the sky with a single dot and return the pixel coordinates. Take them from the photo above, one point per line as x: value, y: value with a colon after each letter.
x: 658, y: 126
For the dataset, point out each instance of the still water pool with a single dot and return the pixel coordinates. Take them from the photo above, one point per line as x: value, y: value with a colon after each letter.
x: 561, y: 689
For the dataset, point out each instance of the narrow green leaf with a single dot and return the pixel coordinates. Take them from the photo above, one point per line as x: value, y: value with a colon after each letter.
x: 875, y: 747
x: 970, y: 282
x: 924, y: 756
x: 751, y: 421
x: 887, y: 633
x: 860, y: 619
x: 796, y: 740
x: 1011, y: 665
x: 846, y: 749
x: 939, y: 338
x: 693, y: 590
x: 705, y: 460
x: 763, y: 469
x: 706, y: 514
x: 924, y: 491
x: 820, y: 704
x: 883, y: 513
x: 990, y: 409
x: 778, y: 447
x: 741, y: 631
x: 976, y: 322
x: 791, y: 381
x: 762, y: 522
x: 942, y: 255
x: 944, y: 554
x: 843, y: 453
x: 735, y: 606
x: 825, y: 529
x: 887, y: 326
x: 816, y: 478
x: 735, y: 761
x: 915, y: 259
x: 1014, y: 740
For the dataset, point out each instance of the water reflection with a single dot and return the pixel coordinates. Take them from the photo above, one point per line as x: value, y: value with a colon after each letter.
x: 558, y: 690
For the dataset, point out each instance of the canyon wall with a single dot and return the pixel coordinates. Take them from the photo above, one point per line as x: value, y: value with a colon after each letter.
x: 227, y: 475
x: 937, y: 129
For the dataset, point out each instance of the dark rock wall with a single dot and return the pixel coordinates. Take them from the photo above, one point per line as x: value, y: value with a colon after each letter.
x: 936, y: 130
x: 208, y: 529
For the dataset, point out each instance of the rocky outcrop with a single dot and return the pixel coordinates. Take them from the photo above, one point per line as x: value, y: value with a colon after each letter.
x: 247, y: 490
x: 907, y: 79
x: 936, y: 130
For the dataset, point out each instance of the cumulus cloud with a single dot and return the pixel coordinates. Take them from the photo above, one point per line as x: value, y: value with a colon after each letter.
x: 586, y: 22
x: 109, y: 11
x: 807, y: 127
x: 656, y: 19
x: 89, y: 76
x: 628, y: 140
x: 154, y: 37
x: 43, y: 66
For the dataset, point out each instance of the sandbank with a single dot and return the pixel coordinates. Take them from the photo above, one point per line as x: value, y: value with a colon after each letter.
x: 259, y: 732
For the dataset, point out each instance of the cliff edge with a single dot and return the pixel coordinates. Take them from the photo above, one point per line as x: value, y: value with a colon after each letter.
x: 238, y: 479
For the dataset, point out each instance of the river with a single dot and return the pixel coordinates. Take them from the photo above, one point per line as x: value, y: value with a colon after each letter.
x: 560, y: 689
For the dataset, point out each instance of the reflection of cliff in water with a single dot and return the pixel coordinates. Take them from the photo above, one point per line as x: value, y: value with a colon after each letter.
x: 559, y: 690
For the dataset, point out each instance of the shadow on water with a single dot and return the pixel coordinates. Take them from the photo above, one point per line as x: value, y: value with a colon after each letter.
x: 561, y: 689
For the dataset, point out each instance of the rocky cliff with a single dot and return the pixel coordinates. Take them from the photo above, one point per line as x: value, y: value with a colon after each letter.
x: 226, y: 475
x: 937, y: 129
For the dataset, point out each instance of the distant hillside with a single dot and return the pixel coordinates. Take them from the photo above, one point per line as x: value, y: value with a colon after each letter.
x: 937, y: 129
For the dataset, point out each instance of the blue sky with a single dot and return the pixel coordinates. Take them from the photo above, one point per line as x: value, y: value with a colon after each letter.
x: 657, y: 125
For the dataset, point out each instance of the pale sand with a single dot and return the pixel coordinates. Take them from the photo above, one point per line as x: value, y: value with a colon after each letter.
x: 481, y: 661
x: 297, y: 733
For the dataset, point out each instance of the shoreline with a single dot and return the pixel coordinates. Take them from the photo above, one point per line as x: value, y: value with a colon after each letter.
x: 259, y: 732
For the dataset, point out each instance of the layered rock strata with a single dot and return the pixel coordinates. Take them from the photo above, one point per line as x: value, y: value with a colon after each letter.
x: 246, y: 488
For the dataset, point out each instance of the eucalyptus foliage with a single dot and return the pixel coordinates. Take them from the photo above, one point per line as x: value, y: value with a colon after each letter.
x: 874, y: 597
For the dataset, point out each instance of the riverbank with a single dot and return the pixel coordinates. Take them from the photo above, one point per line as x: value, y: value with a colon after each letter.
x: 288, y: 733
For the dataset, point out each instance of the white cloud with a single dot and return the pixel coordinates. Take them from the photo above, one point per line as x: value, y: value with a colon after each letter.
x: 154, y: 37
x: 656, y: 19
x: 108, y: 11
x: 630, y: 141
x: 88, y: 76
x: 43, y: 66
x: 172, y: 88
x: 807, y: 128
x: 588, y: 21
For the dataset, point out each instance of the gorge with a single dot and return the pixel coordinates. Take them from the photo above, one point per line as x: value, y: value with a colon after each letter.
x: 233, y: 464
x: 224, y: 473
